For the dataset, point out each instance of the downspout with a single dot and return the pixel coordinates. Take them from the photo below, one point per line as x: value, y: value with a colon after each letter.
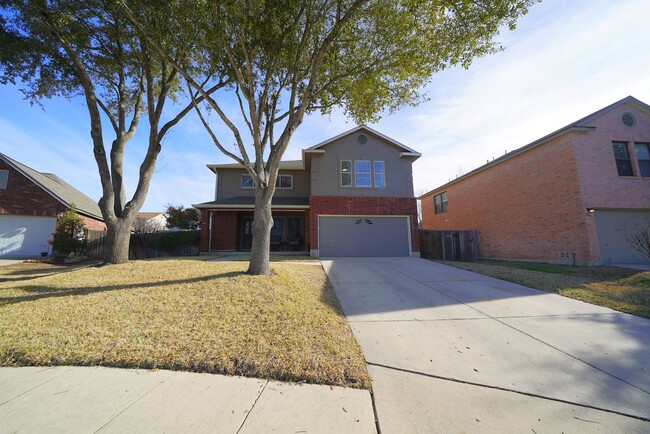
x: 210, y: 233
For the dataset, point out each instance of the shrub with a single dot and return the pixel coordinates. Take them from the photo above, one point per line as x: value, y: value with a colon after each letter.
x: 70, y: 233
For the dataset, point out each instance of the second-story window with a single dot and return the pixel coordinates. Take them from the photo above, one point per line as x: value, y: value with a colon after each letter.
x: 284, y: 182
x: 247, y: 181
x: 440, y: 201
x: 346, y: 173
x: 4, y: 178
x: 380, y: 174
x: 643, y: 157
x: 622, y: 156
x: 362, y: 173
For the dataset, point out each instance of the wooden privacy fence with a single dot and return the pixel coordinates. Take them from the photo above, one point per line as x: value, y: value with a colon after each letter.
x: 450, y: 245
x: 148, y: 245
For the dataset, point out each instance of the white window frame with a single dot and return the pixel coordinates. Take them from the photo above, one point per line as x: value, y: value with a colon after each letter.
x: 382, y: 173
x: 242, y: 182
x: 351, y: 173
x: 277, y: 182
x: 4, y: 180
x: 369, y: 173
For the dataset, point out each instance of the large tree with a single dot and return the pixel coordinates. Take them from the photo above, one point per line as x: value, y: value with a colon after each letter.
x: 287, y: 58
x: 91, y: 49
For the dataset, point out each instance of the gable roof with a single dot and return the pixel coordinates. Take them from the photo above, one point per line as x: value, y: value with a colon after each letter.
x: 57, y: 188
x: 578, y: 126
x: 405, y: 149
x: 149, y: 215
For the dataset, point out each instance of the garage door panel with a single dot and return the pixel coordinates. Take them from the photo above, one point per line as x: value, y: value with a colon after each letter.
x: 612, y: 227
x: 25, y: 235
x: 363, y: 236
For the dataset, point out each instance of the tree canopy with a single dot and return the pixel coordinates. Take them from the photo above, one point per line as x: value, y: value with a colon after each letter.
x: 286, y: 58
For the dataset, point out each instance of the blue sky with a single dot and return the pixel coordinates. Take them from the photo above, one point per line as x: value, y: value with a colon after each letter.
x: 566, y: 59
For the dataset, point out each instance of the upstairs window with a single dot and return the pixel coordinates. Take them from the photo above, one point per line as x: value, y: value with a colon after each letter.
x: 247, y: 181
x: 346, y: 173
x: 284, y: 182
x: 362, y: 173
x: 622, y: 156
x: 440, y: 201
x: 643, y: 157
x: 380, y: 174
x: 4, y: 178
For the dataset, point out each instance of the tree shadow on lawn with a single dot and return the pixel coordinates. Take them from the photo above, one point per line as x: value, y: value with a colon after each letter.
x: 36, y: 273
x: 42, y: 292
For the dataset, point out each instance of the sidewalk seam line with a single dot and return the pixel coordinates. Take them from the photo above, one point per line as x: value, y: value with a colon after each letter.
x: 35, y: 387
x: 505, y: 389
x: 131, y: 404
x: 252, y: 407
x: 487, y: 317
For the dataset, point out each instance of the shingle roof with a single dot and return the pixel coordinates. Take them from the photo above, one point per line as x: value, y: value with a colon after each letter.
x: 57, y: 188
x: 249, y: 202
x: 284, y: 165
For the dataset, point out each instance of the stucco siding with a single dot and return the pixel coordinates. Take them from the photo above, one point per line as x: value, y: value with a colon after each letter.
x: 229, y: 184
x: 325, y: 169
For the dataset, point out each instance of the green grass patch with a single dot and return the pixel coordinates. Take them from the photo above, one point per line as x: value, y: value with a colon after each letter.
x: 180, y: 314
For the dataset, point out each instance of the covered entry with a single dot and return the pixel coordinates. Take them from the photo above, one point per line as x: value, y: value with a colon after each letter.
x: 363, y: 236
x: 612, y: 228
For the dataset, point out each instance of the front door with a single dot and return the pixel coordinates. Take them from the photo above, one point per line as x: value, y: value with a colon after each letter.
x: 246, y: 233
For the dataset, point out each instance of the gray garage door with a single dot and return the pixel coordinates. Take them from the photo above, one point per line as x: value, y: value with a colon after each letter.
x: 363, y: 236
x: 25, y: 235
x: 612, y: 227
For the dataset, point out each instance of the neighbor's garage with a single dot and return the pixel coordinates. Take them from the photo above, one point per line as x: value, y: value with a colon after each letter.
x: 25, y: 235
x: 612, y: 228
x: 363, y: 236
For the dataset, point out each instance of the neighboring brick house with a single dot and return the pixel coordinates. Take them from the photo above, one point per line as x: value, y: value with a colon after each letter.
x: 351, y: 195
x: 29, y: 204
x: 569, y: 197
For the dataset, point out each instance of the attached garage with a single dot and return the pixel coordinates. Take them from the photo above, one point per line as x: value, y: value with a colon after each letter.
x: 363, y: 236
x: 25, y: 235
x: 612, y: 227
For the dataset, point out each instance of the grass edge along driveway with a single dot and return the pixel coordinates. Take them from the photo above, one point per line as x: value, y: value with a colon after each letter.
x: 180, y: 314
x: 621, y: 289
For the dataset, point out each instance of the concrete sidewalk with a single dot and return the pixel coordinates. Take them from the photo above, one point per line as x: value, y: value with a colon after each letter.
x: 453, y: 351
x: 109, y: 400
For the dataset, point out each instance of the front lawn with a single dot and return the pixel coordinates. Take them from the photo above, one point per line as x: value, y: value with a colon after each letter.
x: 181, y: 314
x: 620, y: 289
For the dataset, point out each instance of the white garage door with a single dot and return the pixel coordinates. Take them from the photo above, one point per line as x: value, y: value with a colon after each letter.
x: 363, y: 236
x: 613, y: 227
x: 25, y: 235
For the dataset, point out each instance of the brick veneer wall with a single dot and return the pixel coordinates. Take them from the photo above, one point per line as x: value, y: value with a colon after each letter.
x: 527, y: 207
x: 224, y: 230
x: 354, y: 205
x: 91, y: 223
x: 23, y: 197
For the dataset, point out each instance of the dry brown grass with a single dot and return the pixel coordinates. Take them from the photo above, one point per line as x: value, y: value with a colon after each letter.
x: 182, y: 314
x: 620, y: 289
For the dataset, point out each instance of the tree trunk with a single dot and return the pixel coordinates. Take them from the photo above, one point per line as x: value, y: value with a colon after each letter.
x: 262, y: 224
x: 118, y: 235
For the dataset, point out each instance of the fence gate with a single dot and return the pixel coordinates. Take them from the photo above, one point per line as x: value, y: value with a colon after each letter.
x: 450, y: 245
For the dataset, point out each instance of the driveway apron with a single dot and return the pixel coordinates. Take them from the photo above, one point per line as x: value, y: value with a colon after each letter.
x: 453, y: 351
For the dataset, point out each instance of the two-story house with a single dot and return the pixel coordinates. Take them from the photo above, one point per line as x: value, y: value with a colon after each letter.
x: 572, y: 196
x: 351, y: 195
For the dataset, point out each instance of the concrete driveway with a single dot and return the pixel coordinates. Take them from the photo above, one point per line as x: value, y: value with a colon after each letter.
x: 453, y: 351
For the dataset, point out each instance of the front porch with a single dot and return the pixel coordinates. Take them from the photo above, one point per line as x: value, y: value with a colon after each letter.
x: 228, y: 227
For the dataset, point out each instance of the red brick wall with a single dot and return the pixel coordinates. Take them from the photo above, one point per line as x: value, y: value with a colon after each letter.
x: 527, y: 207
x: 354, y: 205
x: 600, y: 184
x: 23, y: 197
x: 91, y: 223
x: 224, y: 230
